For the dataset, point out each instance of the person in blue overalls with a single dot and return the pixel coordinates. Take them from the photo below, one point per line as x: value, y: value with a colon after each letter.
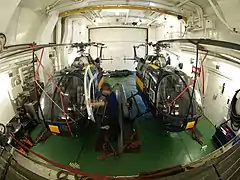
x: 110, y: 127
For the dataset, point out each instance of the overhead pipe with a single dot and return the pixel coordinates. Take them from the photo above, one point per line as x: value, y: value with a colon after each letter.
x: 221, y: 18
x: 182, y: 3
x: 99, y: 14
x: 154, y: 20
x: 68, y: 4
x: 126, y: 17
x: 51, y: 6
x: 200, y: 13
x: 198, y: 9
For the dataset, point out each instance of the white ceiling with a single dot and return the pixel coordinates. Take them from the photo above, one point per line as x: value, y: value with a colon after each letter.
x: 63, y: 4
x: 121, y: 16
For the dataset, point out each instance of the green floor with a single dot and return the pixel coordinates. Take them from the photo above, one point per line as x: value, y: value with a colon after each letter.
x: 158, y: 149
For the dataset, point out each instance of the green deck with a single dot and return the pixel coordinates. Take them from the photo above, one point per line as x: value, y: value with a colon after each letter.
x: 158, y: 150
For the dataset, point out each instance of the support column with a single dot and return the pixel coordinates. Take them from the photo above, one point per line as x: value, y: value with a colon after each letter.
x: 44, y: 37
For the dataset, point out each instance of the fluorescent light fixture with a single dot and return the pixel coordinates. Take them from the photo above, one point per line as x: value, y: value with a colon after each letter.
x: 230, y: 57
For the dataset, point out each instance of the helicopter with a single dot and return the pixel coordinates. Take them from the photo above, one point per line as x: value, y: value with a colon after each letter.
x: 63, y: 103
x: 166, y: 91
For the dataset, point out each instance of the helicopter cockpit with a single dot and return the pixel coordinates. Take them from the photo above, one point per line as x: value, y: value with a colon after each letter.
x: 64, y: 102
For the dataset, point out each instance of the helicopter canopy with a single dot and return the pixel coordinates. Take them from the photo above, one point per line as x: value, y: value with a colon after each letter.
x: 72, y: 93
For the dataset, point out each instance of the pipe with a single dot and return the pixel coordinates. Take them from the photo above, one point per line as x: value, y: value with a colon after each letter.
x: 200, y: 13
x: 198, y: 9
x: 152, y: 21
x: 220, y: 16
x: 68, y: 4
x: 155, y: 19
x: 51, y: 6
x: 89, y: 19
x: 182, y: 3
x: 99, y: 14
x: 126, y: 17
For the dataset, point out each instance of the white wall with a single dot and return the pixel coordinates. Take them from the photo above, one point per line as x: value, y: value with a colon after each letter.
x: 7, y: 10
x: 119, y: 42
x: 24, y: 26
x: 6, y: 110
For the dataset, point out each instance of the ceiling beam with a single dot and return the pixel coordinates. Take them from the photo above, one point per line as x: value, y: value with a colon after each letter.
x: 132, y: 7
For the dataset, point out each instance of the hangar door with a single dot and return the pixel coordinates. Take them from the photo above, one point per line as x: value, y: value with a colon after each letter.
x: 119, y: 42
